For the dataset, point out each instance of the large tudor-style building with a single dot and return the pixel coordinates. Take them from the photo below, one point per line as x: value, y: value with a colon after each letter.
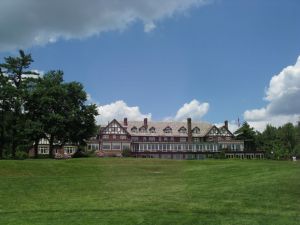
x: 169, y: 140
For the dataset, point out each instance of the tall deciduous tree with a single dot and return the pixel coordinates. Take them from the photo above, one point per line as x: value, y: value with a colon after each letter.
x: 62, y: 111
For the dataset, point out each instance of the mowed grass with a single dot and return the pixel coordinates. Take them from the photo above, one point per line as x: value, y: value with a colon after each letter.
x: 149, y: 191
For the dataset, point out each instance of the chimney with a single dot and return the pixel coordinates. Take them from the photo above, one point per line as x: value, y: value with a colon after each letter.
x: 189, y: 125
x: 125, y: 122
x: 226, y: 124
x: 146, y: 122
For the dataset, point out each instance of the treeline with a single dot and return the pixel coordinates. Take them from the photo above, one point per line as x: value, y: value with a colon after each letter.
x: 34, y: 106
x: 278, y: 143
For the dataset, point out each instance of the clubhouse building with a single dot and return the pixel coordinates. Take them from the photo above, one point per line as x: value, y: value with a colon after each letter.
x: 168, y: 140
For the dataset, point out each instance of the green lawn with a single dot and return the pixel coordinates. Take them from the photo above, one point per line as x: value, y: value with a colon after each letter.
x: 148, y: 191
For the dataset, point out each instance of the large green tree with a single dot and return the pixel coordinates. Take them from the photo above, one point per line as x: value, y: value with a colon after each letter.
x: 61, y: 111
x: 16, y: 69
x: 246, y: 133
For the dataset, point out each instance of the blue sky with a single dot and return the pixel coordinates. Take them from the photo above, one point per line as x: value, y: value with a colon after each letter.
x: 223, y: 53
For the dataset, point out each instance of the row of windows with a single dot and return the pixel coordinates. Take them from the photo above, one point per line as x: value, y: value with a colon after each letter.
x: 44, y: 150
x: 167, y: 130
x: 93, y: 147
x: 106, y: 137
x: 136, y: 139
x: 175, y: 147
x: 115, y: 146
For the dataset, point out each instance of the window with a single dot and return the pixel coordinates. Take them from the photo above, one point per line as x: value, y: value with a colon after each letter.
x: 93, y: 146
x: 106, y: 146
x: 151, y: 138
x: 69, y: 149
x: 43, y: 150
x: 182, y: 139
x: 152, y: 130
x: 182, y: 130
x: 171, y: 138
x: 135, y: 138
x: 168, y: 130
x: 165, y: 139
x: 123, y: 137
x: 126, y: 146
x: 134, y: 130
x: 116, y: 146
x: 196, y: 140
x: 196, y: 130
x: 144, y: 138
x: 105, y: 137
x: 143, y: 129
x: 114, y: 137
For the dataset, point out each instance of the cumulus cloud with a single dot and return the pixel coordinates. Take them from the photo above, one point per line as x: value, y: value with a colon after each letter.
x: 194, y: 109
x: 282, y: 95
x: 119, y: 110
x: 35, y: 22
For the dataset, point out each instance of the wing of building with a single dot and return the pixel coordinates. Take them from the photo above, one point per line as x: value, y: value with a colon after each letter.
x: 171, y: 140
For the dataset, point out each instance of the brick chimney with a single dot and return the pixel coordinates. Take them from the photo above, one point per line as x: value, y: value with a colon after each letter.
x: 125, y: 122
x: 226, y: 124
x: 146, y: 122
x: 189, y: 126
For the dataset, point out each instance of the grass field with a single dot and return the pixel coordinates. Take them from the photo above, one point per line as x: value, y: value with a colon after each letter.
x: 147, y: 191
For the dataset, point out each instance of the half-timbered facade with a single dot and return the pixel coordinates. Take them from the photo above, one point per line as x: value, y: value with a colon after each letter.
x: 172, y: 140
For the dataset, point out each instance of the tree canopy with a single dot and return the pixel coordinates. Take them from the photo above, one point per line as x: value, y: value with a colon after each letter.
x: 34, y: 107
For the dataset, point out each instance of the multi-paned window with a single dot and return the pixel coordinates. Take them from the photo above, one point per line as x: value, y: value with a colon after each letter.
x: 182, y: 130
x: 168, y: 130
x: 70, y: 149
x: 43, y: 150
x: 196, y: 130
x: 106, y: 146
x: 93, y: 146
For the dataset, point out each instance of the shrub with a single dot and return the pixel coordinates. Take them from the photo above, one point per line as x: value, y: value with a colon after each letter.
x: 21, y: 155
x: 80, y: 154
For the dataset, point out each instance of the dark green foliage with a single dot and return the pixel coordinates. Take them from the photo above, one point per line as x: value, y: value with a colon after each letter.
x: 40, y: 107
x: 278, y: 143
x: 126, y: 152
x: 21, y: 155
x: 80, y: 154
x: 246, y: 133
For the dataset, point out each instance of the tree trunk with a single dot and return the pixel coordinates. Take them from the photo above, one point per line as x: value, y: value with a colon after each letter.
x: 35, y: 148
x: 13, y: 144
x: 51, y: 139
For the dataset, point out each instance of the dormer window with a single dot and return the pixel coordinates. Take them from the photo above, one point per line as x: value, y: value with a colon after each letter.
x: 134, y: 130
x: 143, y: 129
x: 182, y: 130
x: 168, y: 130
x: 152, y: 130
x: 196, y: 130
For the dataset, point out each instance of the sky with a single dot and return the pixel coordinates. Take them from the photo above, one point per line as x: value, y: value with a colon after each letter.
x: 211, y: 60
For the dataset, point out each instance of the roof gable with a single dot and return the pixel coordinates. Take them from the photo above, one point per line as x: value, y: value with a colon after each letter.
x: 225, y: 132
x: 214, y: 131
x: 114, y: 127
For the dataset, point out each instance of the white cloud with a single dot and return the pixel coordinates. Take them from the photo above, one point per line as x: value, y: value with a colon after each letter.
x: 119, y: 110
x: 148, y: 27
x: 283, y: 96
x: 193, y: 109
x: 34, y: 22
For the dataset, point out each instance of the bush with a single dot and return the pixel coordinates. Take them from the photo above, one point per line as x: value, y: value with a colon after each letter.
x: 80, y: 154
x: 21, y: 155
x: 126, y: 153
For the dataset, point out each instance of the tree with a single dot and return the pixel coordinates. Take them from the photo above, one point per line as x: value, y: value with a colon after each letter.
x: 246, y: 133
x: 61, y: 110
x: 16, y: 70
x: 288, y: 138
